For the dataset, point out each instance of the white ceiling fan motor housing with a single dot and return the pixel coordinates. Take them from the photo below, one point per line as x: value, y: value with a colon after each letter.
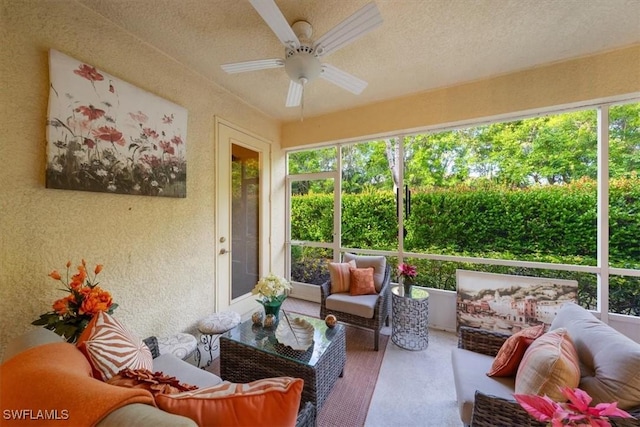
x: 301, y: 64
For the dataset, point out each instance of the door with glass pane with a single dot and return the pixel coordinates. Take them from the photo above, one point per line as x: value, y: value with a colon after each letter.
x: 242, y: 233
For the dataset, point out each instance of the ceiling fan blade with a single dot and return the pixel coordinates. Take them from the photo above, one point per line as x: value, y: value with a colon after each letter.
x: 276, y: 21
x: 360, y: 23
x: 294, y: 97
x: 343, y: 79
x: 260, y: 64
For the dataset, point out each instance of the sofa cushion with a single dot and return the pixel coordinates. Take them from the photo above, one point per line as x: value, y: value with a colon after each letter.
x: 267, y: 402
x: 362, y: 282
x: 359, y: 305
x: 340, y: 275
x: 58, y: 377
x: 469, y: 374
x: 185, y: 372
x: 378, y: 262
x: 550, y: 362
x: 610, y: 361
x: 33, y: 338
x: 137, y: 414
x: 510, y: 354
x: 111, y: 347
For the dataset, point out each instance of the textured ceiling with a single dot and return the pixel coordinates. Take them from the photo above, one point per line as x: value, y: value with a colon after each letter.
x: 422, y: 44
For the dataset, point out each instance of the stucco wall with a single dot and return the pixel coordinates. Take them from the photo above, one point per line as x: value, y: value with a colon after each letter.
x: 158, y: 253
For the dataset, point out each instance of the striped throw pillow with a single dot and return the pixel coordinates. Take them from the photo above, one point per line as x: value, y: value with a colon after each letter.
x: 267, y: 402
x: 110, y: 347
x: 340, y: 276
x: 550, y: 362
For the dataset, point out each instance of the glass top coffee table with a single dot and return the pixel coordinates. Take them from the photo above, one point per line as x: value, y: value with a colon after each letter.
x: 249, y: 352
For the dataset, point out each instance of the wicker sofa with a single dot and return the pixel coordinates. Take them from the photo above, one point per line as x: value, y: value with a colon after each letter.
x: 42, y: 372
x: 608, y: 361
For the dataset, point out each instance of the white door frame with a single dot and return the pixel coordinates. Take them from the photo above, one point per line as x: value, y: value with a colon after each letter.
x: 226, y: 134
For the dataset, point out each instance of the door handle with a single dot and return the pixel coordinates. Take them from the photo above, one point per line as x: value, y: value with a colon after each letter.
x: 224, y: 251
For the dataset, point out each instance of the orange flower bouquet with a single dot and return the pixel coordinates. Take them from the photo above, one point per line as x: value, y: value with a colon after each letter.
x: 72, y: 314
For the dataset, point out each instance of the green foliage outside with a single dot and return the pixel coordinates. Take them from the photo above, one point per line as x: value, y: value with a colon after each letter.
x: 522, y: 190
x: 553, y: 224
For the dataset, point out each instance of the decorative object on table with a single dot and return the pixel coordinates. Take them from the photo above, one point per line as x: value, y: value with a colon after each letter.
x: 72, y: 314
x: 295, y: 333
x: 575, y: 412
x: 106, y: 135
x: 272, y: 290
x: 269, y: 320
x: 257, y: 318
x: 407, y: 273
x: 330, y: 320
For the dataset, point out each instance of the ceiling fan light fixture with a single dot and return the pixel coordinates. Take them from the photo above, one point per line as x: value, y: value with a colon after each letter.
x: 301, y: 62
x: 302, y: 65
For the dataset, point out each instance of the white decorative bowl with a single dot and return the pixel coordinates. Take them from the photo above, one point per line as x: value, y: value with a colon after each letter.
x: 297, y: 333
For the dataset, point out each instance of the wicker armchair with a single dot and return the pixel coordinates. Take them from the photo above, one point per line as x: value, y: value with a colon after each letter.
x: 491, y: 411
x: 380, y: 314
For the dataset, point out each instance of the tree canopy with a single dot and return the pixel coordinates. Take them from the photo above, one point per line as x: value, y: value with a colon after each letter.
x: 551, y: 149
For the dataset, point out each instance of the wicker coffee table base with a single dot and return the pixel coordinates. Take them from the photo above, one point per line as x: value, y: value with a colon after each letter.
x: 241, y: 363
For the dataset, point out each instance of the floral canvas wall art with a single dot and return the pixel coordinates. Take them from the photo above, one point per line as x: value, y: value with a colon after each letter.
x: 106, y: 135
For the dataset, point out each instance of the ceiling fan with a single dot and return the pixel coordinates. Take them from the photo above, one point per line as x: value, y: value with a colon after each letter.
x: 301, y: 61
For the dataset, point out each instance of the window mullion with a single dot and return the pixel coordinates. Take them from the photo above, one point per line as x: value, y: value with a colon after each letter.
x: 603, y: 212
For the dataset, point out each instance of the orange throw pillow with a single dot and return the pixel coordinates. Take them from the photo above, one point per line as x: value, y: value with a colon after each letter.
x: 263, y: 403
x: 340, y: 276
x: 362, y: 281
x: 510, y: 354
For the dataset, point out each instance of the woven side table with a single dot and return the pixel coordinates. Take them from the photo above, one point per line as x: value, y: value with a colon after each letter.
x: 410, y: 318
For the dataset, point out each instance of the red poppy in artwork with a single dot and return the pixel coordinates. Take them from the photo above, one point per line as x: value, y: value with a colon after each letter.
x: 88, y: 72
x: 166, y: 147
x: 167, y: 119
x: 177, y: 140
x: 91, y: 112
x: 139, y: 117
x: 152, y: 161
x: 107, y: 133
x: 89, y: 142
x: 150, y: 132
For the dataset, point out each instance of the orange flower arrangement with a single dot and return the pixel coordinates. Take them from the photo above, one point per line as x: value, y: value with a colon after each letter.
x: 72, y: 314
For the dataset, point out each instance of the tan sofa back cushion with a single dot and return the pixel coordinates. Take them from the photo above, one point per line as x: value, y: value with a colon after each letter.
x: 609, y: 361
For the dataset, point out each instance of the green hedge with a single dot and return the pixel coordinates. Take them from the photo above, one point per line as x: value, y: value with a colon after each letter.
x: 521, y: 223
x: 553, y: 224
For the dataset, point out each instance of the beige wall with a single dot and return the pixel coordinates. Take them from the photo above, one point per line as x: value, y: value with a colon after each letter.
x: 610, y: 74
x: 158, y: 253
